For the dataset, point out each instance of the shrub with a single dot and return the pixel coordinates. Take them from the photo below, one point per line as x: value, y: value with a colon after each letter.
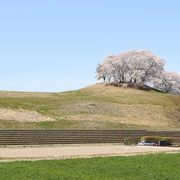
x: 130, y: 141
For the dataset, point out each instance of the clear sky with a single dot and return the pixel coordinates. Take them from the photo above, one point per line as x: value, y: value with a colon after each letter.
x: 55, y: 45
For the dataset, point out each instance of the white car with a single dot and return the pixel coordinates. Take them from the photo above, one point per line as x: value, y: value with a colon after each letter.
x: 145, y: 143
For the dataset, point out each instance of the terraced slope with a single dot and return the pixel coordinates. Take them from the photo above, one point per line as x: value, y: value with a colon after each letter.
x: 38, y: 137
x: 95, y: 107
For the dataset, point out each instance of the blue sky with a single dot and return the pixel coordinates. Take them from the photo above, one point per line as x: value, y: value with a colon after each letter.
x: 55, y: 45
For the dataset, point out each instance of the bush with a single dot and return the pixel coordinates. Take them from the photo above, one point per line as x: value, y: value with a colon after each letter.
x: 130, y: 141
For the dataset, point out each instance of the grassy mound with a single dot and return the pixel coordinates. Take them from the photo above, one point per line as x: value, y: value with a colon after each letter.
x: 98, y: 106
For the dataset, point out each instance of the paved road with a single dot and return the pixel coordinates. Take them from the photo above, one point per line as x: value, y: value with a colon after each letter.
x: 74, y: 151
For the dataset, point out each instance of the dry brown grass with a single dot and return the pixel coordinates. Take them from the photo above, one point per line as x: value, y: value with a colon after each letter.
x: 22, y: 115
x: 15, y: 94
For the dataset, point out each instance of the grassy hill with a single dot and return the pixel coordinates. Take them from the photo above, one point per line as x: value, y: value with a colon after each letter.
x: 98, y: 106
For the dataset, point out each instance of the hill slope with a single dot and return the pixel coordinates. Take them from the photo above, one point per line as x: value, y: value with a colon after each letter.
x: 98, y: 106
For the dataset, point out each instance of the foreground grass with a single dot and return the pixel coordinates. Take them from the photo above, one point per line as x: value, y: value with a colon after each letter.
x: 160, y: 166
x: 96, y: 107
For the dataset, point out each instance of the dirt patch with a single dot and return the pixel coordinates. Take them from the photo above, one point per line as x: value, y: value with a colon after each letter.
x: 22, y: 115
x: 77, y: 151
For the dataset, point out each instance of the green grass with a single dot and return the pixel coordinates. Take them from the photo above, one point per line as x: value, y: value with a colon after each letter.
x: 146, y: 167
x: 66, y: 124
x: 97, y: 107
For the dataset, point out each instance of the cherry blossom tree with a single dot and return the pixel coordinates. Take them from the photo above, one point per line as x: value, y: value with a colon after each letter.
x: 104, y: 70
x: 169, y: 82
x: 136, y: 66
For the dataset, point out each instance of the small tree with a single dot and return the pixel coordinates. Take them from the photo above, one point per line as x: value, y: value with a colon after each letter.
x: 101, y: 72
x: 169, y: 82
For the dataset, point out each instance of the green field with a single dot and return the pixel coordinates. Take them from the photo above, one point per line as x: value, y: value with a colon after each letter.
x: 95, y: 107
x: 151, y: 167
